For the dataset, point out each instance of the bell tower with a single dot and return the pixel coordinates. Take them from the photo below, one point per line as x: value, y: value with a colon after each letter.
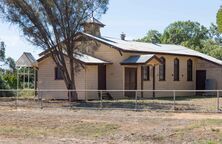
x: 92, y: 26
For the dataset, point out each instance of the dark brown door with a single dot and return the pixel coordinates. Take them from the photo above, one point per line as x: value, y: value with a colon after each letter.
x: 130, y: 81
x: 200, y: 80
x: 102, y: 77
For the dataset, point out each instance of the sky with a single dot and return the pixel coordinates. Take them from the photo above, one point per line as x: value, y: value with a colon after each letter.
x: 133, y: 17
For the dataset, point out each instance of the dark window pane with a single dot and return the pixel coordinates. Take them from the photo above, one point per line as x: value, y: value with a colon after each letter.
x: 162, y: 69
x: 189, y: 70
x: 176, y: 69
x: 58, y: 74
x: 146, y: 72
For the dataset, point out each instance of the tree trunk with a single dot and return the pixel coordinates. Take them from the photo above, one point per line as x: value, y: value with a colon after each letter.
x: 72, y: 95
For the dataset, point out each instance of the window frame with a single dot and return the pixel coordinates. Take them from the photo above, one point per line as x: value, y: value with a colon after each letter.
x: 147, y: 69
x: 176, y: 74
x: 189, y: 70
x: 162, y: 67
x: 57, y: 71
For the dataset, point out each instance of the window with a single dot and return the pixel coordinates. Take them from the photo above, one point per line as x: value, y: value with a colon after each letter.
x: 189, y: 70
x: 58, y: 74
x: 146, y: 72
x: 176, y: 69
x: 162, y: 69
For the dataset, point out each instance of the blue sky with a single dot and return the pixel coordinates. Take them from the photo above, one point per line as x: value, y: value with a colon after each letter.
x: 133, y: 17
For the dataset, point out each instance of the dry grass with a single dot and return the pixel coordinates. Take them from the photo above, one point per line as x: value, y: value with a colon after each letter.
x: 76, y: 129
x: 113, y: 126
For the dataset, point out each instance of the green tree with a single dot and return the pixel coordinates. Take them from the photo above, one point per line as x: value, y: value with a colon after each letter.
x: 219, y: 20
x: 2, y: 51
x: 53, y: 25
x: 10, y: 79
x: 215, y: 34
x: 210, y: 47
x: 11, y: 64
x: 153, y: 36
x: 5, y: 86
x: 187, y: 33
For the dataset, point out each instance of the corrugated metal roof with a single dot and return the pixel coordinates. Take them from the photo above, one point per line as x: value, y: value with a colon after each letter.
x: 153, y: 48
x: 26, y: 60
x: 89, y: 59
x: 139, y: 59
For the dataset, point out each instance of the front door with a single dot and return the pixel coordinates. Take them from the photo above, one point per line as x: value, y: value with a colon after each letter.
x: 200, y: 80
x: 130, y: 81
x: 102, y: 77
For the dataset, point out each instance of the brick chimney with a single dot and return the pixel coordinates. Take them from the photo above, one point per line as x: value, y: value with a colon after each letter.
x: 123, y: 36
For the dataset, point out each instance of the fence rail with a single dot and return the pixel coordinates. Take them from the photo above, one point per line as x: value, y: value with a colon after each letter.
x: 195, y: 100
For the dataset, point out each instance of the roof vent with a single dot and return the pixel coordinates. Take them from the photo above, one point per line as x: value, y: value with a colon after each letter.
x: 123, y: 36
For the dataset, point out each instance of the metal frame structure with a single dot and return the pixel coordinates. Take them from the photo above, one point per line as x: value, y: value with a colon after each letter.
x: 26, y: 62
x: 31, y: 71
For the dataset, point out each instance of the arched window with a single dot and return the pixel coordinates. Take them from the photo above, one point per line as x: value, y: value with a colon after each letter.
x: 189, y: 70
x: 162, y: 69
x: 176, y: 69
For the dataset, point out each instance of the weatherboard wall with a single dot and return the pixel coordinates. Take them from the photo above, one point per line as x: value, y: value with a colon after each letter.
x: 85, y: 79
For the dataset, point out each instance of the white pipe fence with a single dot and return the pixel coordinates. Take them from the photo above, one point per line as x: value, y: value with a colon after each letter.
x: 137, y: 100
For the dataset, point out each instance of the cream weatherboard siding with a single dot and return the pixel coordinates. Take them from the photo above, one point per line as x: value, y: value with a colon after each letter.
x: 85, y: 79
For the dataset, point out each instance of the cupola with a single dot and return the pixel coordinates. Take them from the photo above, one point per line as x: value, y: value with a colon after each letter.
x: 92, y: 26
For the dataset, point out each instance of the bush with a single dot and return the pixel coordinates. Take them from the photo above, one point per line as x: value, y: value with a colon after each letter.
x: 5, y: 86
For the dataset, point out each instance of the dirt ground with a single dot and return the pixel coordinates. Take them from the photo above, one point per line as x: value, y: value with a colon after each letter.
x: 58, y: 125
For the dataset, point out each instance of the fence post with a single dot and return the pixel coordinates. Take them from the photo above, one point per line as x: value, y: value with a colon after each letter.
x: 101, y: 99
x: 174, y: 100
x: 136, y: 104
x: 70, y: 102
x: 41, y: 104
x: 16, y: 99
x: 218, y: 101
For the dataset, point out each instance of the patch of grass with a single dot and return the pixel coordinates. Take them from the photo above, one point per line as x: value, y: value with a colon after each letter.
x: 158, y: 138
x: 208, y: 126
x: 217, y: 122
x: 202, y: 123
x: 208, y: 142
x: 79, y: 129
x: 18, y: 131
x: 27, y: 94
x: 94, y: 129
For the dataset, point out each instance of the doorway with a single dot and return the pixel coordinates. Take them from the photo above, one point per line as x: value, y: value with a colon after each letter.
x: 101, y: 77
x: 200, y: 80
x: 130, y: 81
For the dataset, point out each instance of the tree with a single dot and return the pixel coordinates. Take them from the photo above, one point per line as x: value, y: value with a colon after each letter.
x: 185, y: 33
x: 219, y: 20
x: 215, y: 34
x: 10, y: 79
x: 53, y: 25
x: 210, y: 47
x: 4, y: 85
x: 2, y: 51
x: 11, y: 63
x: 152, y: 36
